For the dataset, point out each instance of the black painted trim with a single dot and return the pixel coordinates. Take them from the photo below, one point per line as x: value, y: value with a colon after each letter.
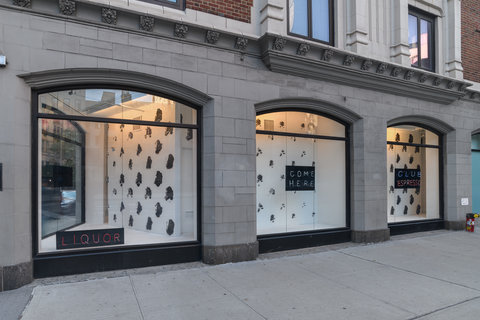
x: 59, y: 265
x: 179, y: 4
x: 415, y: 226
x: 290, y: 241
x: 422, y: 15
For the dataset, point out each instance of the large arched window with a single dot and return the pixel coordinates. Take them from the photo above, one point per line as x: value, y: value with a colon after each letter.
x: 114, y: 167
x: 301, y: 173
x: 476, y: 173
x: 413, y: 171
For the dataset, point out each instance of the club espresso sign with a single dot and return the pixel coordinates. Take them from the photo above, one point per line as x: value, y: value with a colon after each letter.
x: 407, y: 178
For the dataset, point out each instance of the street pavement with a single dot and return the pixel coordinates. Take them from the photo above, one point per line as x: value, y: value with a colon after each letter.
x: 432, y: 275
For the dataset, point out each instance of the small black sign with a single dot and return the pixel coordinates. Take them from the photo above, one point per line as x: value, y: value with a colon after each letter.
x: 407, y: 178
x: 298, y: 178
x: 89, y: 238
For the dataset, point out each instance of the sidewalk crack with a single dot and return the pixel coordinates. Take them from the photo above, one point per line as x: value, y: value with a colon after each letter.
x: 136, y: 298
x: 443, y: 308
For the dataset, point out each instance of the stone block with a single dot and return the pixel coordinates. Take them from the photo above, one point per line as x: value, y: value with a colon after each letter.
x: 127, y: 53
x: 234, y: 71
x: 224, y: 127
x: 46, y: 60
x: 221, y: 86
x: 195, y: 80
x: 234, y: 108
x: 157, y: 58
x: 209, y: 66
x: 194, y: 50
x: 80, y: 61
x: 234, y: 178
x: 22, y: 36
x: 142, y: 41
x: 169, y: 73
x: 112, y: 64
x: 61, y: 42
x: 113, y: 36
x: 370, y: 236
x: 15, y: 276
x: 234, y: 148
x: 234, y: 214
x: 169, y: 46
x: 220, y: 55
x: 182, y: 62
x: 244, y: 128
x: 95, y: 51
x: 81, y: 30
x: 230, y: 253
x: 142, y: 68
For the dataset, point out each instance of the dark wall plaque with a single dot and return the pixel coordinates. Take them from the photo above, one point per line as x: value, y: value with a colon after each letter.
x: 407, y: 178
x: 298, y: 178
x: 89, y: 238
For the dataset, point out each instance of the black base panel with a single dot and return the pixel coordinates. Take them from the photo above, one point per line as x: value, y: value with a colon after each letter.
x: 297, y: 241
x: 60, y: 265
x: 416, y: 226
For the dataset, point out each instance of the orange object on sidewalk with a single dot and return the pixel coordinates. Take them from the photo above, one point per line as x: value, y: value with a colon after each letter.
x: 470, y: 222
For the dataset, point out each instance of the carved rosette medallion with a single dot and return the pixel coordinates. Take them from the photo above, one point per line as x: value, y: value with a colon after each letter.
x: 109, y: 15
x: 348, y: 60
x: 409, y: 74
x: 180, y: 30
x: 437, y: 81
x: 212, y: 36
x: 147, y: 23
x: 327, y: 54
x: 366, y: 65
x: 382, y: 67
x: 303, y: 49
x: 23, y: 3
x: 241, y: 43
x: 279, y: 43
x: 67, y: 7
x: 423, y: 77
x: 450, y: 84
x: 395, y: 72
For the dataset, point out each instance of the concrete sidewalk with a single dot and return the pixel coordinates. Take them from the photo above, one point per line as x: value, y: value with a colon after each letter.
x: 424, y: 276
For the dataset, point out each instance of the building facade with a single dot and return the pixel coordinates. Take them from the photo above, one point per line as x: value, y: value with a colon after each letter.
x: 143, y: 133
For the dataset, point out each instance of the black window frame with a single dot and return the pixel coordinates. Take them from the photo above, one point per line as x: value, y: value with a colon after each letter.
x: 179, y: 4
x: 310, y: 31
x: 422, y: 15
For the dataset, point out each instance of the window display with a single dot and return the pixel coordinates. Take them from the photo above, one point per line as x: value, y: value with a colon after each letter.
x: 412, y: 174
x: 301, y: 173
x: 123, y: 172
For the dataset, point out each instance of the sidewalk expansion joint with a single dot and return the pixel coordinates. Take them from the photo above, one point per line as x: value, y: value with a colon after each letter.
x: 443, y: 308
x: 136, y: 298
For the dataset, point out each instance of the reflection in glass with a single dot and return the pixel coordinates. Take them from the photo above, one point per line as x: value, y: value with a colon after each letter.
x: 425, y: 41
x: 321, y: 20
x: 413, y: 39
x: 299, y: 17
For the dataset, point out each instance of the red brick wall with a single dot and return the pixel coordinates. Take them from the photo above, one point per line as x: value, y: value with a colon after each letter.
x: 233, y: 9
x: 471, y: 39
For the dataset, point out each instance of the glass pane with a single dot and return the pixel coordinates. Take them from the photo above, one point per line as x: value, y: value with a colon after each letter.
x: 426, y: 44
x: 412, y: 134
x: 301, y: 184
x: 413, y: 39
x: 117, y: 104
x: 476, y: 141
x: 300, y: 122
x: 413, y: 183
x: 321, y: 20
x: 61, y: 163
x: 476, y: 181
x: 139, y: 178
x: 299, y: 17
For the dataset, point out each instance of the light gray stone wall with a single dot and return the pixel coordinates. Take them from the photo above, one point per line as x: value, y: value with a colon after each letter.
x: 235, y: 83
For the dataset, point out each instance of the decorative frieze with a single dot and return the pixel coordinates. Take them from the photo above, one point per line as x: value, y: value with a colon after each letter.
x: 327, y: 54
x: 366, y: 64
x: 462, y: 87
x: 423, y: 77
x: 303, y: 49
x: 279, y: 43
x: 212, y: 36
x: 409, y: 74
x: 180, y: 30
x: 67, y: 7
x: 241, y: 43
x: 382, y: 67
x: 450, y: 84
x: 147, y: 23
x: 437, y: 81
x: 348, y: 60
x: 23, y: 3
x: 109, y: 15
x: 395, y: 71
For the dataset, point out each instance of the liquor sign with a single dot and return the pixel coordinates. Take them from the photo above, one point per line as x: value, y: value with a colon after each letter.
x: 299, y: 178
x: 89, y: 238
x: 407, y: 178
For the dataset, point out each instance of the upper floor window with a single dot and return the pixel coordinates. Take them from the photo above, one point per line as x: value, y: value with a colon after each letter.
x: 420, y: 40
x: 178, y: 4
x: 311, y: 19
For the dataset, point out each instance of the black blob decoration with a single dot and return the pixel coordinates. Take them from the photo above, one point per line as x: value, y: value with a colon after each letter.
x: 158, y: 209
x: 258, y: 122
x: 397, y: 137
x: 170, y: 227
x: 270, y: 164
x: 259, y: 151
x: 405, y: 190
x: 149, y: 223
x: 121, y: 151
x: 293, y: 163
x: 313, y: 214
x: 417, y: 149
x: 260, y: 207
x: 405, y: 166
x: 158, y: 179
x: 114, y: 191
x: 412, y: 199
x: 418, y: 209
x: 115, y: 217
x: 398, y: 199
x: 130, y: 192
x: 417, y: 190
x: 418, y: 167
x: 148, y: 193
x: 130, y: 135
x: 189, y: 134
x: 282, y: 124
x: 139, y: 149
x: 130, y: 221
x: 282, y: 153
x: 122, y: 206
x: 121, y: 127
x: 148, y: 132
x: 169, y: 194
x: 159, y: 115
x: 282, y: 206
x: 170, y: 161
x: 272, y: 218
x: 392, y: 210
x: 410, y: 138
x: 293, y: 215
x: 282, y: 177
x: 138, y: 182
x: 410, y: 160
x: 122, y: 179
x: 158, y: 146
x: 392, y: 190
x: 130, y: 164
x: 398, y: 158
x: 168, y: 131
x: 390, y: 146
x: 149, y: 162
x: 272, y: 191
x: 391, y: 167
x: 302, y: 125
x: 139, y: 207
x: 114, y: 163
x: 405, y: 210
x: 404, y: 149
x: 259, y: 178
x: 181, y: 118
